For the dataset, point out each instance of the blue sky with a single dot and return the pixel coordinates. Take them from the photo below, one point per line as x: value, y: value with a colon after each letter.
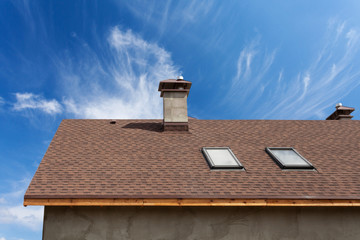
x: 104, y: 59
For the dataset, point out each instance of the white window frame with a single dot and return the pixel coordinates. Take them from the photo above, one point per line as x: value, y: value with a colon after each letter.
x: 288, y: 166
x: 214, y: 166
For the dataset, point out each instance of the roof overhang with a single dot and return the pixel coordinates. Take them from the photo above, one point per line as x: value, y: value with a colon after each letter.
x: 171, y: 85
x: 190, y: 202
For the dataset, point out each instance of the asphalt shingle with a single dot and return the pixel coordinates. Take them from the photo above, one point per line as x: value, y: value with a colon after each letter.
x: 135, y: 159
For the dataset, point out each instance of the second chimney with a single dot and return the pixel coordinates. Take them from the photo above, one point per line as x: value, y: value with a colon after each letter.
x: 341, y: 113
x: 174, y: 93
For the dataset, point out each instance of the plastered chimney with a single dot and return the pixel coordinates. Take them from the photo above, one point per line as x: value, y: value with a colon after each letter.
x: 341, y: 113
x: 174, y: 93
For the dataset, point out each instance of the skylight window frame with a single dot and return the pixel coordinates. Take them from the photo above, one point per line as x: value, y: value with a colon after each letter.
x: 287, y: 166
x: 213, y: 166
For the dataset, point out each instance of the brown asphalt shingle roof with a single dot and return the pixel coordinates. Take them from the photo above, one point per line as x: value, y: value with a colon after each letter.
x: 134, y: 159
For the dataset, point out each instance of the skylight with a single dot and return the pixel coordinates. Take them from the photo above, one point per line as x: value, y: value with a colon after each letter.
x: 221, y: 158
x: 288, y: 158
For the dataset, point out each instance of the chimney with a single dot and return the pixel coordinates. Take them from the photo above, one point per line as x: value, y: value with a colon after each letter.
x: 175, y: 92
x: 341, y: 113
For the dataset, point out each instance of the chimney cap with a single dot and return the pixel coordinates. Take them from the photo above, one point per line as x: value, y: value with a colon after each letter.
x: 341, y: 113
x: 338, y: 105
x: 171, y: 85
x: 346, y: 108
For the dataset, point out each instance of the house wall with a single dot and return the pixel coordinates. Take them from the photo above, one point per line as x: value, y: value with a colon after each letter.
x: 69, y: 223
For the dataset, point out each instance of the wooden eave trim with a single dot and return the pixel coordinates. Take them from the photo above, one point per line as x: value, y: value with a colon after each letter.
x: 189, y: 202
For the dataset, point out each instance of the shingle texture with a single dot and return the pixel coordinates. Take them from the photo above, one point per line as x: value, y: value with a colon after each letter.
x: 135, y: 159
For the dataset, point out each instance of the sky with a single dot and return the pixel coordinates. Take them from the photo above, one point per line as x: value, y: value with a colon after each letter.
x: 104, y: 59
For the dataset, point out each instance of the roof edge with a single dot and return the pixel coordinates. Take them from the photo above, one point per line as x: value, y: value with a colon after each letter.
x: 190, y: 202
x: 174, y: 196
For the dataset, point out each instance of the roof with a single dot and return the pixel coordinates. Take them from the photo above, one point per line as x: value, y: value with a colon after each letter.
x: 135, y: 159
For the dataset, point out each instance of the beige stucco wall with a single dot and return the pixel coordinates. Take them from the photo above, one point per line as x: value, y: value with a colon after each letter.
x: 90, y: 223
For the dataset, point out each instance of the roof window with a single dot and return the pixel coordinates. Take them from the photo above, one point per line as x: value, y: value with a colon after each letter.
x: 221, y: 158
x: 288, y: 158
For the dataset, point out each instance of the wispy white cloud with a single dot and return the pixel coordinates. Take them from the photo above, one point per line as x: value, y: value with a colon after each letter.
x: 332, y: 74
x: 306, y: 81
x: 30, y: 217
x: 172, y: 16
x: 244, y: 64
x: 2, y: 238
x: 12, y: 212
x: 23, y: 7
x: 122, y: 83
x: 195, y: 10
x: 26, y: 101
x: 252, y: 65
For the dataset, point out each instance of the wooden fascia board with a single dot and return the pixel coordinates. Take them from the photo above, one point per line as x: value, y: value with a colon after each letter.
x: 189, y: 202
